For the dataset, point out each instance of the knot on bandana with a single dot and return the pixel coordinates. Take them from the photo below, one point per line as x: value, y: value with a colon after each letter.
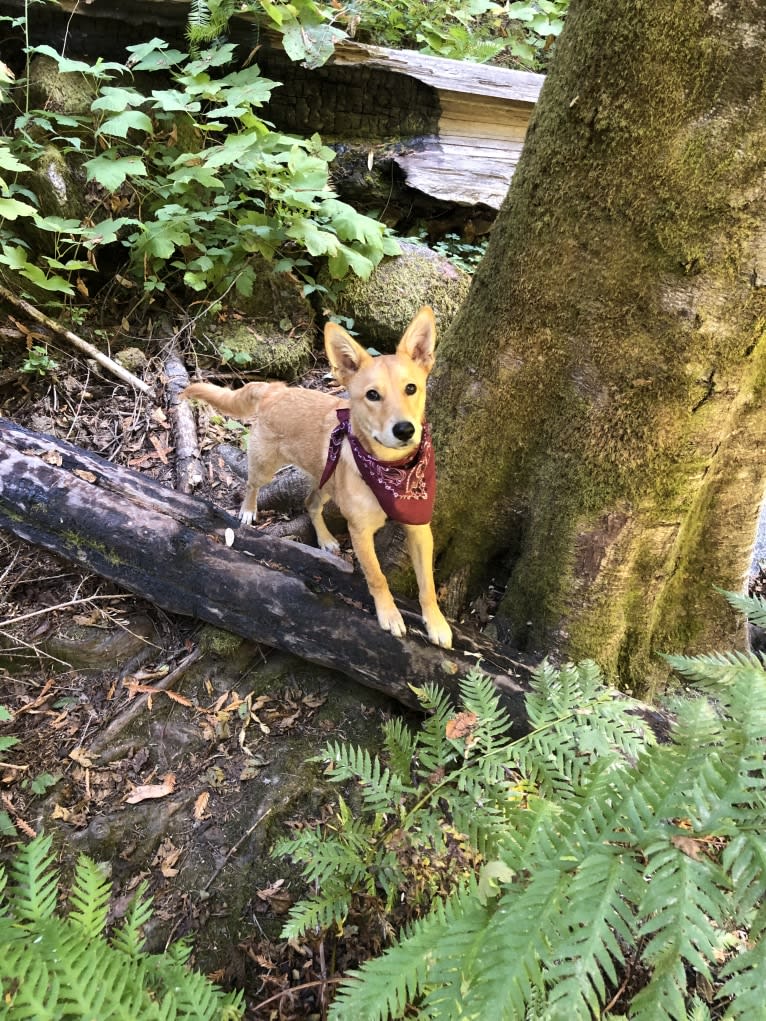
x: 404, y: 489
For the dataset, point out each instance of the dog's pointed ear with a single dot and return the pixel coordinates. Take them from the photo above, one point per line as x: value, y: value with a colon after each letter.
x: 343, y: 353
x: 419, y: 340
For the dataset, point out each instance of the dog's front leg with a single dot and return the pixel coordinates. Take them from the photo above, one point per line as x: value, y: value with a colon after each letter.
x: 389, y: 617
x: 420, y: 542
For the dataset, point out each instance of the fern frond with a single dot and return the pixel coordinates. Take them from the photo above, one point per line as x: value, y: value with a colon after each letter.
x: 128, y: 938
x: 745, y: 982
x: 399, y: 744
x: 752, y: 607
x: 315, y: 913
x: 54, y: 967
x: 479, y: 696
x: 89, y: 898
x: 381, y: 788
x: 744, y: 861
x: 396, y: 979
x: 35, y: 882
x: 556, y: 753
x: 434, y: 750
x: 596, y: 926
x: 713, y: 668
x: 681, y: 914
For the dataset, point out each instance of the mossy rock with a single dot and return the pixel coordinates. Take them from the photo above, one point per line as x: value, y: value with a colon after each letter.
x: 383, y: 305
x: 64, y: 93
x: 261, y: 347
x: 270, y: 331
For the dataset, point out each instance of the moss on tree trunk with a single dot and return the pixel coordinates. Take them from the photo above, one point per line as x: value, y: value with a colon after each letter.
x: 598, y: 402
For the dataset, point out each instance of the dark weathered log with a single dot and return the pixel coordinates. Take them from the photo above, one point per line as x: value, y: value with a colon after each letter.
x: 170, y: 549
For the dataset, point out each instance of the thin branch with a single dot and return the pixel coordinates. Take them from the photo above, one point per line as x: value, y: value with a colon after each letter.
x: 83, y: 345
x: 59, y: 606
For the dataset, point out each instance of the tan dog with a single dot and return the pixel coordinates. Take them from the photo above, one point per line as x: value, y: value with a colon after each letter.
x: 386, y: 409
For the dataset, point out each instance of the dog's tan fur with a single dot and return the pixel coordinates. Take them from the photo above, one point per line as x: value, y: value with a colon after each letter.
x: 292, y: 425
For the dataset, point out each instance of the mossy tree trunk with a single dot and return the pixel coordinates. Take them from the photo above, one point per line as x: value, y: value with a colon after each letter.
x: 598, y: 403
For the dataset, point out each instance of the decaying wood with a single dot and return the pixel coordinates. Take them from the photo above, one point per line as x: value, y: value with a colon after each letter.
x: 189, y: 468
x: 169, y: 548
x: 82, y: 345
x: 483, y: 117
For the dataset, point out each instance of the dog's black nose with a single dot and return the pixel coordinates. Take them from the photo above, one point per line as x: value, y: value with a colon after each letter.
x: 403, y: 431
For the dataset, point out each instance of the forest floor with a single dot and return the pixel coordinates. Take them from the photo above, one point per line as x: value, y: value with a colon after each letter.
x: 172, y: 751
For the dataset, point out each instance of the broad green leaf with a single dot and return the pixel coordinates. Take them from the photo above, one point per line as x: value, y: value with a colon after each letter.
x: 346, y: 258
x: 521, y: 11
x: 9, y: 162
x: 162, y: 237
x: 316, y: 241
x: 233, y: 148
x: 111, y: 172
x: 106, y: 231
x: 312, y: 45
x: 199, y: 175
x: 11, y: 209
x: 59, y: 224
x: 120, y: 125
x: 350, y: 225
x: 99, y: 69
x: 174, y: 101
x: 154, y: 56
x: 16, y: 259
x: 274, y: 11
x: 117, y: 99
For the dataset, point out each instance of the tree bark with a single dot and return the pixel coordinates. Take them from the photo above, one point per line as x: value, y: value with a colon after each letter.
x: 601, y: 390
x: 169, y: 548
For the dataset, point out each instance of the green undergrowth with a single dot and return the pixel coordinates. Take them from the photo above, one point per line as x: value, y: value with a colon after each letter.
x: 585, y: 870
x: 63, y: 962
x: 183, y: 174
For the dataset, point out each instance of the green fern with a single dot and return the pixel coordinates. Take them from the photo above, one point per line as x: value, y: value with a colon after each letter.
x: 63, y: 967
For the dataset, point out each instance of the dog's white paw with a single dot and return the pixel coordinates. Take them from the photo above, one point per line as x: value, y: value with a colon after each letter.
x: 439, y: 631
x: 248, y: 517
x: 391, y: 620
x: 330, y: 546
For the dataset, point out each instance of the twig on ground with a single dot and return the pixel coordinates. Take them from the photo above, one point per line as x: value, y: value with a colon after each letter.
x: 189, y: 469
x: 83, y: 345
x: 119, y: 723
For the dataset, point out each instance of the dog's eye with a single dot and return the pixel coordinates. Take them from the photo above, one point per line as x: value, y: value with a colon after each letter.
x: 372, y: 395
x: 410, y: 389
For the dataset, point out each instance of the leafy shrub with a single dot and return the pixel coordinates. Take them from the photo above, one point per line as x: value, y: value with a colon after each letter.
x: 201, y: 183
x: 598, y: 854
x: 62, y: 967
x: 520, y: 33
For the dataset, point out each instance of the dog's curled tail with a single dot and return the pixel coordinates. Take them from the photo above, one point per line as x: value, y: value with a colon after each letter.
x: 241, y: 403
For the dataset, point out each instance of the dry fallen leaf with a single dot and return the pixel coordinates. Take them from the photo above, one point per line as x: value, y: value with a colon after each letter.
x: 81, y: 757
x: 152, y: 790
x: 691, y: 847
x: 86, y: 476
x: 461, y: 725
x: 200, y: 805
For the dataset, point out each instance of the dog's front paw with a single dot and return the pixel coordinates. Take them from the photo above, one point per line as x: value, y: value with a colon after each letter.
x: 439, y: 631
x: 330, y: 545
x: 390, y: 619
x: 248, y: 517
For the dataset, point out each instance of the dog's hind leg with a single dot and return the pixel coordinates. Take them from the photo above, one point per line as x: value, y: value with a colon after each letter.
x: 314, y: 504
x: 259, y: 472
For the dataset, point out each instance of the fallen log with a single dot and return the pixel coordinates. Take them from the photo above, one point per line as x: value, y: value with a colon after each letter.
x: 171, y: 549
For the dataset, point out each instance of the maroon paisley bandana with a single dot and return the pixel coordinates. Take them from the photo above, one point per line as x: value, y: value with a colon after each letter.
x: 404, y: 489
